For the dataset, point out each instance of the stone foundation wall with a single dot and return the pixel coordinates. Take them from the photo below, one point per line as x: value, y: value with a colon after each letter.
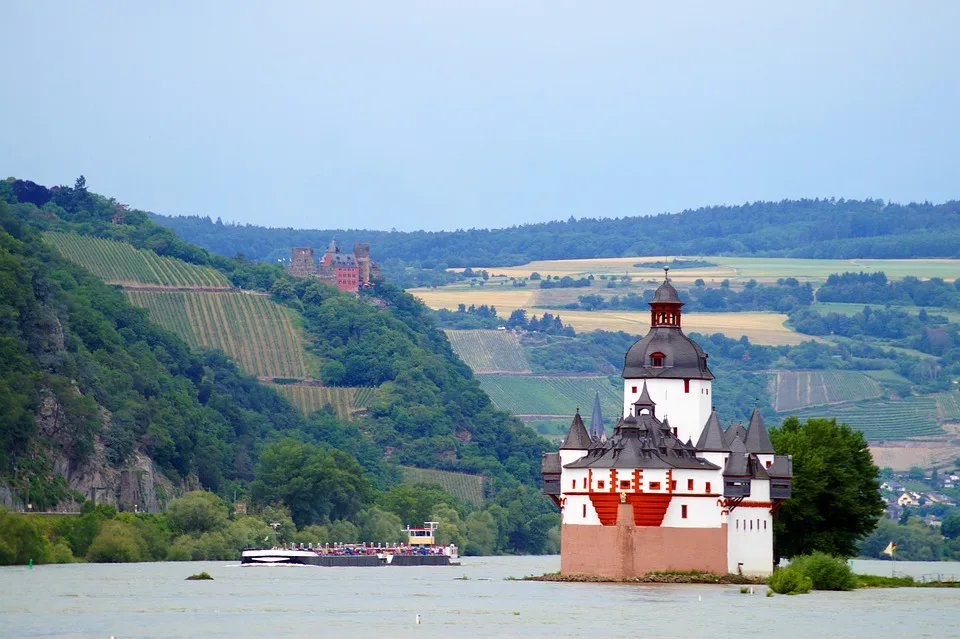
x: 624, y: 550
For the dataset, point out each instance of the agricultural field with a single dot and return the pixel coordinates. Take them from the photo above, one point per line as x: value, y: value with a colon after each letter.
x: 489, y: 351
x: 889, y: 419
x: 120, y: 263
x: 848, y: 308
x: 759, y: 327
x: 948, y: 406
x: 463, y: 486
x: 553, y: 429
x: 345, y: 400
x: 793, y: 390
x: 256, y: 332
x: 762, y: 269
x: 554, y: 396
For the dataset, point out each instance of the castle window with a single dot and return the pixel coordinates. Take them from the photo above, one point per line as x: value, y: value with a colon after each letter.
x: 683, y: 511
x: 624, y: 484
x: 574, y: 484
x: 634, y: 390
x: 584, y: 511
x: 673, y: 485
x: 738, y: 524
x: 600, y: 484
x: 708, y: 487
x: 686, y: 386
x: 654, y: 485
x: 674, y: 431
x: 751, y: 522
x: 656, y: 360
x: 689, y: 484
x: 764, y: 524
x: 769, y: 464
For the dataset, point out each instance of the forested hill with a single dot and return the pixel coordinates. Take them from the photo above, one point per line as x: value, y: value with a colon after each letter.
x: 87, y: 380
x: 819, y: 228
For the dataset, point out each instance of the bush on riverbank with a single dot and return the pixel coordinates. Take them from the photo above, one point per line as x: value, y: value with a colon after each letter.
x: 817, y: 571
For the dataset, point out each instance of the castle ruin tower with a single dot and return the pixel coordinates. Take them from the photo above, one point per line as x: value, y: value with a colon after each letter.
x: 671, y: 366
x: 301, y: 262
x: 362, y: 254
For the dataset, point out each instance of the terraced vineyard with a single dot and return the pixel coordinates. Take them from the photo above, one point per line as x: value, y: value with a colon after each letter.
x: 463, y: 486
x: 121, y: 263
x: 882, y: 419
x: 948, y: 404
x: 256, y: 332
x: 793, y: 390
x: 345, y: 400
x: 536, y: 395
x: 489, y: 351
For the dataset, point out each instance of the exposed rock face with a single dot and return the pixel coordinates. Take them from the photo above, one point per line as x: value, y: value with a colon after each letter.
x: 139, y: 485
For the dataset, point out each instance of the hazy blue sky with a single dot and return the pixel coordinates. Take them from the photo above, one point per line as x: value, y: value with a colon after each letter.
x: 454, y: 114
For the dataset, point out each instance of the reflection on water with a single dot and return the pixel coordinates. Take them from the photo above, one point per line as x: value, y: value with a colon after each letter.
x: 475, y: 600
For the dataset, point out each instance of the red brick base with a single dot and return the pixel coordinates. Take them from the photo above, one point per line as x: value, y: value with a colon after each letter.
x: 624, y: 550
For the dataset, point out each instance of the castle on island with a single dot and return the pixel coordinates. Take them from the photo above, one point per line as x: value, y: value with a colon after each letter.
x: 347, y: 271
x: 670, y: 490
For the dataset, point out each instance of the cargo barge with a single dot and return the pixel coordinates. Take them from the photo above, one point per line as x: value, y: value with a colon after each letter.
x: 420, y: 550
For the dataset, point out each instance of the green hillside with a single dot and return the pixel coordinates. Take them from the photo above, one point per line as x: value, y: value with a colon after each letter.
x: 345, y: 401
x: 120, y: 263
x: 883, y: 419
x: 489, y: 351
x: 255, y: 331
x: 538, y: 395
x: 467, y: 488
x: 793, y: 390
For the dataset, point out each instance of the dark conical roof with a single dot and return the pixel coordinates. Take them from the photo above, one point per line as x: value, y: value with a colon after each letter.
x: 782, y: 466
x: 711, y: 439
x: 733, y: 432
x: 577, y: 437
x: 596, y: 420
x: 644, y: 399
x: 738, y: 465
x: 757, y: 439
x: 737, y: 446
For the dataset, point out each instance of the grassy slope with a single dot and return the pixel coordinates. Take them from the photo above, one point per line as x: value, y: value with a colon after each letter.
x: 489, y: 351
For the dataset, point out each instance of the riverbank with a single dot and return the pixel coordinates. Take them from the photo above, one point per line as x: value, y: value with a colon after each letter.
x: 655, y: 578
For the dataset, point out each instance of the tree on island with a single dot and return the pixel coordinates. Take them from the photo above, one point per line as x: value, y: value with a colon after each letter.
x: 836, y: 499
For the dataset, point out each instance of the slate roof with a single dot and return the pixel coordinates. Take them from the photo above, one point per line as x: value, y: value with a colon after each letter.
x: 711, y: 438
x: 344, y: 259
x: 550, y: 463
x: 577, y: 437
x: 733, y: 431
x: 738, y: 465
x: 757, y: 439
x: 782, y: 467
x: 596, y: 419
x: 641, y: 441
x: 666, y: 294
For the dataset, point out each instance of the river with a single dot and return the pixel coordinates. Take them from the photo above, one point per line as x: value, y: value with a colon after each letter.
x: 472, y: 600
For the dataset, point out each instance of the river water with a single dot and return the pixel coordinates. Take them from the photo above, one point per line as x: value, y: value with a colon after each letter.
x: 473, y: 600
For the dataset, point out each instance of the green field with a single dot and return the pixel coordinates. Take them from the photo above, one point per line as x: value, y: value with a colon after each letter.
x: 256, y: 332
x: 948, y: 405
x: 847, y: 308
x: 465, y: 487
x: 536, y: 395
x: 888, y: 376
x: 345, y: 400
x: 553, y: 429
x: 489, y: 351
x: 120, y: 263
x: 793, y: 390
x: 884, y: 419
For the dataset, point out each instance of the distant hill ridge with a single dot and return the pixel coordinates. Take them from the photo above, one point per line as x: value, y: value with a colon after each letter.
x: 806, y: 228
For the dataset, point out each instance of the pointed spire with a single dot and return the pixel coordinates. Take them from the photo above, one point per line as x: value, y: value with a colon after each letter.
x: 577, y: 437
x: 734, y: 431
x: 711, y: 438
x: 596, y: 420
x: 757, y: 440
x: 644, y: 400
x: 737, y: 446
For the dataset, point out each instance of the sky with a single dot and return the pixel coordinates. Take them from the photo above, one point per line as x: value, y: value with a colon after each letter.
x: 446, y: 114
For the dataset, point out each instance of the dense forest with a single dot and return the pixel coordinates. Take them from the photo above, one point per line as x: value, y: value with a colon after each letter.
x: 87, y: 378
x: 817, y: 228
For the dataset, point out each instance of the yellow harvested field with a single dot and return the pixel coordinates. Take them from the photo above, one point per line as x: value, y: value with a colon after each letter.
x: 910, y: 454
x: 762, y: 269
x: 760, y: 328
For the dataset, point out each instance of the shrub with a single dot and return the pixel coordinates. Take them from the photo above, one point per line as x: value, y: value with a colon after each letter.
x: 117, y: 542
x: 790, y: 581
x: 826, y: 572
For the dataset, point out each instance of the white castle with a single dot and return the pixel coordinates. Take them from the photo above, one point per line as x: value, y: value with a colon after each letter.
x: 670, y: 489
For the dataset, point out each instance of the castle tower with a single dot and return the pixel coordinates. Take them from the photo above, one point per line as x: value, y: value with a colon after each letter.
x: 362, y: 254
x: 672, y: 366
x: 301, y: 262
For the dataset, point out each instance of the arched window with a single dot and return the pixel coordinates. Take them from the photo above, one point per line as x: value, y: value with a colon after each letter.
x: 656, y: 360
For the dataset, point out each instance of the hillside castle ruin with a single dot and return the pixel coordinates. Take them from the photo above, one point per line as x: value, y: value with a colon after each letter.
x: 347, y: 271
x: 677, y: 493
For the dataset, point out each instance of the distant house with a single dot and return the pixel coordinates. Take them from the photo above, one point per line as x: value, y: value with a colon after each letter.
x: 906, y: 499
